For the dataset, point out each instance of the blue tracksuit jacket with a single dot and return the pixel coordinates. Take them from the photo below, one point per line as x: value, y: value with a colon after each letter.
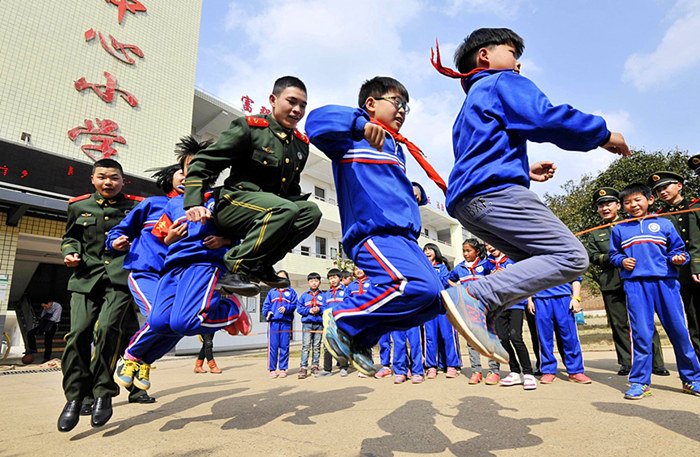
x: 358, y: 287
x: 494, y: 266
x: 334, y: 295
x: 147, y: 253
x: 501, y: 112
x: 308, y: 300
x: 372, y: 199
x: 277, y: 298
x: 653, y: 241
x: 464, y: 273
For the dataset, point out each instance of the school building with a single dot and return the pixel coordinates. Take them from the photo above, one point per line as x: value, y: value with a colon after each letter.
x: 84, y: 81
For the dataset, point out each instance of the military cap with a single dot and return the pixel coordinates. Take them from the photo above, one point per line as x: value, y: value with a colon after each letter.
x: 662, y: 178
x: 605, y: 194
x: 694, y: 162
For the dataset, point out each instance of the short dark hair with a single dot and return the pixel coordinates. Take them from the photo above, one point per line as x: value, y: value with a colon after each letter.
x: 313, y: 275
x: 164, y: 177
x: 378, y: 86
x: 107, y: 163
x: 635, y: 188
x: 287, y: 81
x: 333, y: 272
x: 465, y: 55
x: 345, y: 274
x: 188, y: 147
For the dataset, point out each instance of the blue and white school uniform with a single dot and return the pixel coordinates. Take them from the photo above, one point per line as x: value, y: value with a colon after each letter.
x: 279, y: 326
x: 381, y: 223
x: 186, y: 302
x: 652, y: 286
x: 441, y: 340
x: 553, y: 313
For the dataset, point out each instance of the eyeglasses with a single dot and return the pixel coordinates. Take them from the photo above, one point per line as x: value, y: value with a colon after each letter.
x: 398, y: 102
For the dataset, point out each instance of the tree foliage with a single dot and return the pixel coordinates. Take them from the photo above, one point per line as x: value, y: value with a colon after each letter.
x: 574, y: 206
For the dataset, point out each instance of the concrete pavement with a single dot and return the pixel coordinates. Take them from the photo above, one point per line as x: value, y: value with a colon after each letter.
x: 243, y: 412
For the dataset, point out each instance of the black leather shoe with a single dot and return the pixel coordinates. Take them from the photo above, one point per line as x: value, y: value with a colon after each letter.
x: 661, y: 371
x: 237, y: 283
x: 267, y: 275
x: 624, y: 370
x: 101, y: 411
x: 145, y: 398
x: 69, y: 416
x: 86, y: 409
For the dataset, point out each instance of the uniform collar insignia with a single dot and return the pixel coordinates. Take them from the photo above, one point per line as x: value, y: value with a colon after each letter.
x: 86, y: 215
x: 100, y: 201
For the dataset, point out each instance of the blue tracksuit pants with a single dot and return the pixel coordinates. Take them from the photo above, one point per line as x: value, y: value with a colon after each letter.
x: 644, y: 296
x: 405, y: 290
x: 146, y: 345
x: 187, y: 304
x: 441, y: 338
x: 553, y: 315
x: 278, y: 333
x: 403, y: 351
x: 385, y: 350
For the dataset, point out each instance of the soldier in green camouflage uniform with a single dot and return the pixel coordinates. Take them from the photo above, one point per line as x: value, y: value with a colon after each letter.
x: 598, y: 246
x: 261, y: 202
x: 667, y: 186
x: 100, y: 299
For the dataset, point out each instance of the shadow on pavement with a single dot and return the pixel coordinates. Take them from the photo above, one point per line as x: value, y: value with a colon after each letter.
x: 256, y: 410
x: 683, y: 423
x: 412, y: 430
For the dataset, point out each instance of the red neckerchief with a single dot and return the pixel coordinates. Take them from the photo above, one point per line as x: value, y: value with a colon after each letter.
x: 314, y: 294
x: 448, y: 71
x: 416, y: 153
x: 172, y: 193
x: 498, y: 262
x: 472, y: 269
x: 361, y: 285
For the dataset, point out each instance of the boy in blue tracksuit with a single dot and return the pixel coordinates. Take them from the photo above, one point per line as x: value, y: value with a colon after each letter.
x: 488, y: 186
x: 554, y: 310
x: 380, y: 221
x: 310, y: 306
x: 186, y: 300
x: 334, y: 296
x: 278, y: 310
x: 647, y: 252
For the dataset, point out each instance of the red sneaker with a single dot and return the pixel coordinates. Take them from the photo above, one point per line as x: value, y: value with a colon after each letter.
x: 547, y: 378
x: 383, y: 373
x: 432, y: 373
x: 580, y: 378
x: 451, y: 372
x: 476, y: 378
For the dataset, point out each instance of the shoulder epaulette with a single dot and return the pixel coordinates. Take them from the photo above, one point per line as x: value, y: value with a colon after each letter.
x: 301, y: 136
x: 134, y: 197
x: 257, y: 121
x: 692, y: 202
x: 77, y: 199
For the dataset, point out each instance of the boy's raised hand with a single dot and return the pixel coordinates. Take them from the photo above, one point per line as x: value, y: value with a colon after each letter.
x: 629, y: 263
x: 374, y: 134
x: 121, y: 243
x: 542, y: 171
x: 616, y: 144
x: 198, y: 214
x: 72, y: 260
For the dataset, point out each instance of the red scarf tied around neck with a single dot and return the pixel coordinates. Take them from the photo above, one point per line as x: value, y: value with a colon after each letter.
x: 416, y: 153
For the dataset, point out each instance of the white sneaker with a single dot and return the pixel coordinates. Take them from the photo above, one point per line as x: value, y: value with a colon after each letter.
x: 529, y: 382
x: 512, y: 379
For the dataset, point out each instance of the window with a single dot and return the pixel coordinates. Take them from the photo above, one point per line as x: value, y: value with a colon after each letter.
x: 334, y: 253
x: 426, y: 233
x: 305, y: 250
x: 319, y: 193
x: 320, y: 247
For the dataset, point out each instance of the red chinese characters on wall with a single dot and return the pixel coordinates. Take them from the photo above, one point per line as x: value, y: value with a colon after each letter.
x: 247, y: 103
x: 133, y: 6
x: 103, y: 133
x: 106, y: 91
x: 118, y: 50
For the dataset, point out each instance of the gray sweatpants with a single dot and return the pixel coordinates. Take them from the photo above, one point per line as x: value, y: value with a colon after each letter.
x: 517, y: 223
